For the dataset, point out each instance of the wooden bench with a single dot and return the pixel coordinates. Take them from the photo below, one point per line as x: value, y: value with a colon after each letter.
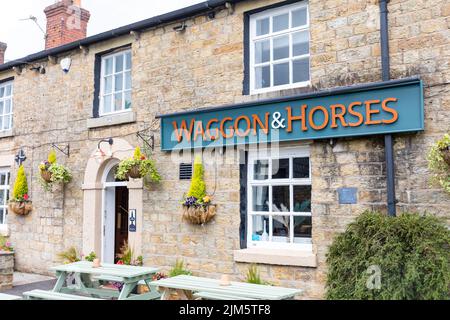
x: 113, y: 279
x: 50, y: 295
x: 216, y: 296
x: 5, y: 297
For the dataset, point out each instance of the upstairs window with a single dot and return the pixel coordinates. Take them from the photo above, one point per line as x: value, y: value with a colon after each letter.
x: 115, y: 87
x: 279, y: 48
x: 4, y: 194
x: 6, y: 105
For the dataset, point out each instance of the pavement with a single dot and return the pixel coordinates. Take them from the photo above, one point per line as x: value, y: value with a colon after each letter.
x: 23, y: 282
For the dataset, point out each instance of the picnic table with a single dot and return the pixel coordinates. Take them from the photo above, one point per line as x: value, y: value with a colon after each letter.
x: 88, y: 278
x: 189, y: 287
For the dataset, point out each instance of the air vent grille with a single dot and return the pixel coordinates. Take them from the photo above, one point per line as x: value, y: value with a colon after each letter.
x: 185, y: 171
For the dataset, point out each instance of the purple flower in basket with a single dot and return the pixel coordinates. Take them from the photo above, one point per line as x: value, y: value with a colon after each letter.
x: 191, y: 201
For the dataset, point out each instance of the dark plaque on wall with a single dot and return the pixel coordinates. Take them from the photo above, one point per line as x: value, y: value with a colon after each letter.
x: 348, y: 195
x: 132, y: 220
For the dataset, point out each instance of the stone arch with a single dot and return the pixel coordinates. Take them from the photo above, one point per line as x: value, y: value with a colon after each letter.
x: 93, y: 199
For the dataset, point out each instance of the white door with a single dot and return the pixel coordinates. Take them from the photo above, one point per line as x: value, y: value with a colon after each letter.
x: 109, y: 217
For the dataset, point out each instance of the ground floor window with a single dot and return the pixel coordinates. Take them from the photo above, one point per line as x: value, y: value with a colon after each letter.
x: 279, y: 199
x: 4, y: 195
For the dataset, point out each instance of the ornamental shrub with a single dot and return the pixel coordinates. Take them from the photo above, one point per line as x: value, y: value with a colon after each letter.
x: 439, y: 168
x: 198, y: 186
x: 52, y: 157
x: 137, y: 153
x: 409, y: 255
x: 20, y: 185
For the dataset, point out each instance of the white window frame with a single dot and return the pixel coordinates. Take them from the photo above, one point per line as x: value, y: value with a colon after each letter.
x: 303, y: 244
x: 290, y: 31
x: 4, y: 99
x: 3, y: 188
x: 113, y: 85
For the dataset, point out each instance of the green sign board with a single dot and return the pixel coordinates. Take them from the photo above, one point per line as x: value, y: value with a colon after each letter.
x: 378, y: 108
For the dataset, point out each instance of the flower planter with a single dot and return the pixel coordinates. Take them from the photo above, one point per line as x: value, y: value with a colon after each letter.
x: 46, y: 176
x: 199, y: 215
x: 135, y: 172
x: 6, y: 270
x: 21, y: 208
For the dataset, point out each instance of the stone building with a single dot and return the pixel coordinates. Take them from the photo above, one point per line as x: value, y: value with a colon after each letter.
x: 116, y: 84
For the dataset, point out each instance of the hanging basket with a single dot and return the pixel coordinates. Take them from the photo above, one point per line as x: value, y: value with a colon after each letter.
x: 46, y: 176
x: 199, y: 215
x: 135, y: 172
x: 21, y: 208
x: 446, y: 155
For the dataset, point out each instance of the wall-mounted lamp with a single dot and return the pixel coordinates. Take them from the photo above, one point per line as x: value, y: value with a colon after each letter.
x: 20, y: 157
x: 101, y: 155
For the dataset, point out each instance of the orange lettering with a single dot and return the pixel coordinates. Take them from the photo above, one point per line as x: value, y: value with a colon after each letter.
x: 236, y: 126
x: 183, y: 130
x: 390, y: 110
x: 370, y: 112
x: 356, y: 114
x: 339, y: 116
x: 208, y: 129
x: 291, y: 118
x: 199, y: 130
x: 257, y: 122
x: 222, y: 131
x: 311, y: 118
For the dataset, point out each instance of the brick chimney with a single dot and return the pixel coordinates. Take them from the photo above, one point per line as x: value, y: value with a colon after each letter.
x: 66, y: 22
x: 3, y: 47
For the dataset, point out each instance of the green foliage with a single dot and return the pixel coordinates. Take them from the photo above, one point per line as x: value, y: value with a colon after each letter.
x: 20, y: 190
x: 411, y: 251
x: 5, y: 245
x: 178, y: 269
x: 198, y: 186
x: 254, y: 276
x: 437, y: 165
x: 52, y: 157
x: 69, y: 256
x: 147, y: 167
x: 91, y: 257
x: 126, y: 256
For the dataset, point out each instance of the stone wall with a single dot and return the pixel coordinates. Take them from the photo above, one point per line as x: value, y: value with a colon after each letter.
x: 203, y: 67
x: 6, y: 270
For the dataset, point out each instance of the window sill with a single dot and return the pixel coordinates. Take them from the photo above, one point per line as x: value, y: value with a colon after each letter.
x: 4, y: 231
x: 6, y: 134
x: 277, y: 257
x: 112, y: 120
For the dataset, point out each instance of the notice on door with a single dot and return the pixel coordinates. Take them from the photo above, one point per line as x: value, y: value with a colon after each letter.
x: 132, y: 220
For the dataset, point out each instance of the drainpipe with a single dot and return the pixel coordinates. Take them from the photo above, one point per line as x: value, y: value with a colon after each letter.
x: 388, y: 139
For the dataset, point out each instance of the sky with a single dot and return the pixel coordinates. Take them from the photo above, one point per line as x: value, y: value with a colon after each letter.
x: 25, y: 37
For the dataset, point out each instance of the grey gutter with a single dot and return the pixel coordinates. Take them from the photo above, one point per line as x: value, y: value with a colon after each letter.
x: 317, y: 94
x: 183, y: 13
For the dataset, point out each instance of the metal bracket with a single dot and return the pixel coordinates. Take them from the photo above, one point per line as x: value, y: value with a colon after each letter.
x: 148, y: 138
x: 65, y: 151
x: 20, y: 157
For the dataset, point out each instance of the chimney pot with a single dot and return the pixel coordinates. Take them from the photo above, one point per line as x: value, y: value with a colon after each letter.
x: 3, y: 47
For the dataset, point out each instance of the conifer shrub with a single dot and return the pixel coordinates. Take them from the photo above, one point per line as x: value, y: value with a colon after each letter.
x: 198, y: 186
x: 20, y: 190
x: 410, y: 253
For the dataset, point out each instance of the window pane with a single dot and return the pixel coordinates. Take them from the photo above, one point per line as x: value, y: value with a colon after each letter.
x: 118, y: 102
x: 262, y: 77
x: 301, y: 168
x: 281, y: 74
x: 281, y: 48
x: 2, y: 197
x: 2, y: 180
x: 280, y: 198
x: 261, y: 170
x: 300, y: 70
x: 262, y: 51
x: 119, y: 63
x: 302, y: 198
x: 118, y: 85
x: 1, y: 122
x: 107, y: 100
x: 299, y: 18
x: 128, y: 61
x: 300, y: 43
x: 262, y: 26
x: 281, y: 22
x: 8, y: 106
x: 127, y: 80
x: 2, y: 216
x: 1, y: 107
x: 260, y: 228
x: 128, y: 100
x: 261, y: 199
x: 8, y: 90
x: 108, y: 66
x: 108, y: 84
x: 6, y: 124
x: 2, y: 92
x: 280, y: 169
x: 281, y: 229
x: 302, y: 228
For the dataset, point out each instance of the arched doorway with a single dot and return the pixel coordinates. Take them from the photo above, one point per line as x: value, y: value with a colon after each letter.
x: 115, y: 213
